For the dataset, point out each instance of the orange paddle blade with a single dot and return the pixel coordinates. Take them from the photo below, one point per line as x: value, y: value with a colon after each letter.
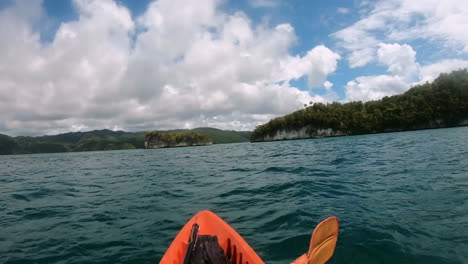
x: 322, y: 243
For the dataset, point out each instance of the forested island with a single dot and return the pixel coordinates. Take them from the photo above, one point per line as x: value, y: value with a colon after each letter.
x: 442, y: 103
x: 98, y: 140
x: 156, y: 139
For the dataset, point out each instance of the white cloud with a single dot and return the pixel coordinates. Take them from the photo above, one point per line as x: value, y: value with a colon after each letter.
x: 179, y: 64
x: 342, y: 10
x: 322, y: 62
x: 368, y: 88
x: 405, y: 72
x: 440, y: 24
x: 264, y: 3
x: 317, y: 64
x: 400, y: 59
x: 401, y: 63
x: 328, y: 85
x: 429, y: 72
x: 360, y: 45
x: 405, y: 20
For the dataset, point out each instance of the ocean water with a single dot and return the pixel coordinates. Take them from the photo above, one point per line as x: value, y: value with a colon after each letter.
x: 400, y: 198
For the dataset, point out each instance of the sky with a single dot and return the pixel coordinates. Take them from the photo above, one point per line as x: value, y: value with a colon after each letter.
x: 79, y: 65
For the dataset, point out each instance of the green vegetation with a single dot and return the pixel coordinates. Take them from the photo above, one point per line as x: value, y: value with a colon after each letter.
x: 224, y: 136
x: 442, y: 103
x: 101, y: 140
x: 73, y: 141
x: 7, y: 145
x: 155, y: 139
x: 217, y: 135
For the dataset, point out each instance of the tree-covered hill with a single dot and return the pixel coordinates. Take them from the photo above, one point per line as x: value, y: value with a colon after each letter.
x: 224, y: 136
x: 101, y: 140
x: 72, y: 141
x: 217, y: 135
x: 156, y: 139
x: 442, y: 103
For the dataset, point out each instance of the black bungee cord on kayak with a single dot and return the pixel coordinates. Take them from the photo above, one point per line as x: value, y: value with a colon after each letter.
x: 204, y: 249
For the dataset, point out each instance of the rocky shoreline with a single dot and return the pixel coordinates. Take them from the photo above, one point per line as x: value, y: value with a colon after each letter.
x: 155, y: 139
x: 309, y: 133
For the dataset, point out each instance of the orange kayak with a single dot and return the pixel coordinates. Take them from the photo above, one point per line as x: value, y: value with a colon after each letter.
x: 207, y: 237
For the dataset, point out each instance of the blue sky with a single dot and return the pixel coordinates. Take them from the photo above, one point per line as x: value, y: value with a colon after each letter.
x: 136, y: 65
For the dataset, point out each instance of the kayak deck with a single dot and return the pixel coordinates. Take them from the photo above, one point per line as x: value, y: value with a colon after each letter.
x: 236, y: 249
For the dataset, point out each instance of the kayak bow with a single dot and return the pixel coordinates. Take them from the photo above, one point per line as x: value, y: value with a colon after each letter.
x: 207, y: 237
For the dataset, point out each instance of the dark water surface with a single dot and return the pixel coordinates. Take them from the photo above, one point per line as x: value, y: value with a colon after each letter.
x: 400, y: 198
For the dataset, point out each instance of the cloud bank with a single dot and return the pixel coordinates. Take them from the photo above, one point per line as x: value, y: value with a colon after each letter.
x: 383, y: 34
x: 440, y: 22
x: 184, y: 64
x: 180, y: 64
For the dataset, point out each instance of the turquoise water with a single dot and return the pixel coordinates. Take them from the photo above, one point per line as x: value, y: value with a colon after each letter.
x: 400, y: 198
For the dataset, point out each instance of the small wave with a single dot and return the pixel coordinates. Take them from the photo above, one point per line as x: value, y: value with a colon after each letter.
x: 292, y: 170
x: 238, y: 170
x: 177, y: 193
x: 297, y: 246
x: 41, y: 213
x: 268, y: 189
x: 275, y: 169
x: 20, y: 197
x: 339, y: 161
x: 103, y: 217
x: 282, y: 221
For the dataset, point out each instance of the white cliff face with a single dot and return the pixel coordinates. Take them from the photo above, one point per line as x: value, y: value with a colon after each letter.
x: 152, y: 144
x: 155, y: 139
x: 311, y: 132
x: 305, y: 132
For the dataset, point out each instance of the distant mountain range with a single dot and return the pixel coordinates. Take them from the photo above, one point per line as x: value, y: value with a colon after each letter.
x: 102, y: 140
